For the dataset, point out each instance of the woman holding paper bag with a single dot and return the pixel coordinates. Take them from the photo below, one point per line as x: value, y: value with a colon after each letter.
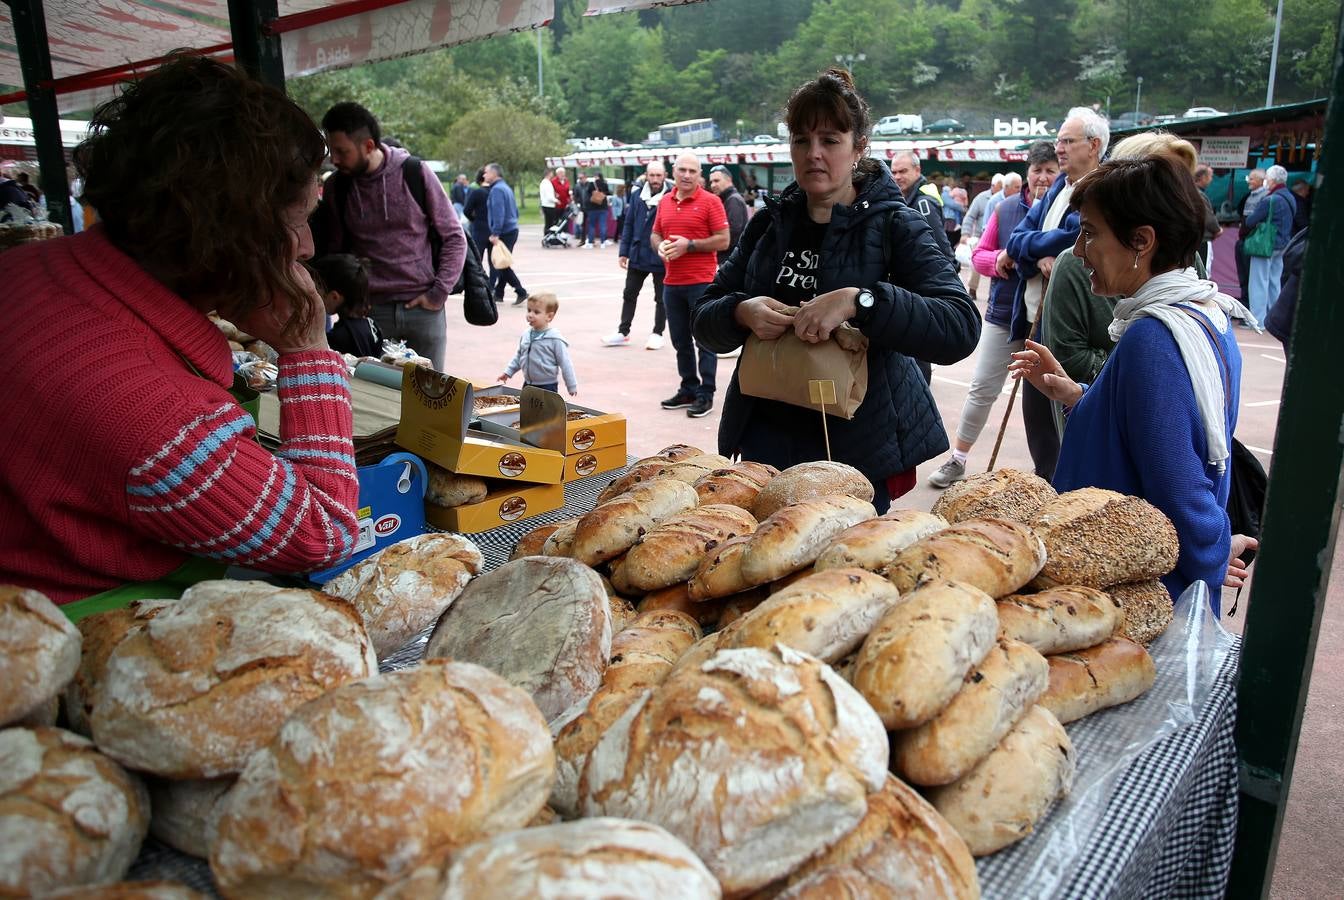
x: 840, y: 247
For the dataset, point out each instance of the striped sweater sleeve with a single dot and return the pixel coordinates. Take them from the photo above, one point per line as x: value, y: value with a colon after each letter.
x: 210, y: 490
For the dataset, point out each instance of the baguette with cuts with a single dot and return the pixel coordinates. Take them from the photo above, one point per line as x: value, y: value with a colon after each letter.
x: 793, y: 536
x: 1145, y: 608
x: 737, y: 485
x: 613, y: 527
x: 534, y: 542
x: 1110, y: 674
x: 995, y: 555
x: 873, y: 544
x: 1098, y: 538
x: 1002, y: 494
x: 807, y: 481
x: 39, y: 652
x: 673, y: 550
x: 1059, y: 619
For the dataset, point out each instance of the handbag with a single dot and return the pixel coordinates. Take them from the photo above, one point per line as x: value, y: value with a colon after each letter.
x: 500, y: 257
x: 1260, y: 242
x: 597, y: 197
x: 478, y: 303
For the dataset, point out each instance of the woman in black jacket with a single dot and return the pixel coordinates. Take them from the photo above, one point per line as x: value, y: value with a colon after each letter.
x: 841, y: 244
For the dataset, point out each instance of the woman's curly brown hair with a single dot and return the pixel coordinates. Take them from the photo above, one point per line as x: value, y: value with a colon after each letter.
x: 192, y: 170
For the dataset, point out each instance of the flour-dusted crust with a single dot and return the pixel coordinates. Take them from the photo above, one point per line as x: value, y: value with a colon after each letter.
x: 1002, y: 494
x: 403, y: 589
x: 129, y: 890
x: 534, y: 542
x: 380, y: 777
x: 995, y: 555
x: 186, y: 813
x: 756, y: 759
x: 39, y: 652
x: 736, y: 485
x: 808, y: 481
x: 1057, y: 620
x: 101, y: 634
x: 613, y: 527
x: 1106, y: 675
x: 543, y: 623
x: 672, y: 551
x: 873, y: 544
x: 793, y: 536
x: 193, y: 691
x: 68, y: 814
x: 1098, y: 538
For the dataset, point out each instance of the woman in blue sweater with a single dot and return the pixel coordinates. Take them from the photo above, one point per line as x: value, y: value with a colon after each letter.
x: 1158, y: 421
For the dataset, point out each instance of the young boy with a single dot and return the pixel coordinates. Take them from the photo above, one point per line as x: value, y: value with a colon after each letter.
x: 345, y: 283
x: 542, y: 354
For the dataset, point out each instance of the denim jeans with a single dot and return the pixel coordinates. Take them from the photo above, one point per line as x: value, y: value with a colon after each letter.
x: 424, y: 330
x: 1266, y: 273
x: 681, y: 301
x: 634, y: 283
x: 595, y: 225
x: 500, y: 277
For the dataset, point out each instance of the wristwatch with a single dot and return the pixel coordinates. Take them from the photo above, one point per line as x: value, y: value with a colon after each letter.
x: 690, y: 246
x: 863, y: 306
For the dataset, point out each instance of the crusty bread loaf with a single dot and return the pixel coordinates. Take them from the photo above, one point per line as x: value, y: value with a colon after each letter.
x: 403, y: 589
x: 186, y: 813
x: 379, y: 777
x: 600, y: 857
x: 677, y: 597
x: 621, y: 611
x: 101, y: 633
x: 640, y: 472
x: 532, y: 543
x: 541, y: 622
x: 672, y: 551
x: 827, y: 614
x: 1109, y: 674
x: 129, y: 890
x: 738, y: 605
x: 68, y: 814
x: 902, y: 848
x: 692, y: 468
x: 46, y: 714
x: 873, y: 544
x: 618, y: 579
x: 613, y: 527
x: 561, y: 541
x: 914, y: 660
x: 737, y: 485
x: 1000, y: 801
x: 996, y: 695
x: 1002, y: 494
x: 995, y: 555
x: 193, y: 691
x: 1097, y: 538
x: 757, y: 759
x: 720, y: 572
x: 39, y: 652
x: 787, y: 581
x: 450, y: 489
x: 807, y: 481
x: 671, y: 453
x: 1145, y: 609
x: 793, y: 536
x: 1059, y: 619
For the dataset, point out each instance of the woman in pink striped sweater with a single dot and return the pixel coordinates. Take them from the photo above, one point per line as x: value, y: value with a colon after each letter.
x: 124, y: 456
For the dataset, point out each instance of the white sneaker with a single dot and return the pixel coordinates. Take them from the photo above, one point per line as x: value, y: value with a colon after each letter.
x: 606, y: 243
x: 731, y: 354
x: 616, y: 340
x: 655, y: 342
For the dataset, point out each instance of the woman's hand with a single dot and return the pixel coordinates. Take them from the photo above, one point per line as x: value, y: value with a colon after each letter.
x: 268, y: 322
x: 765, y: 317
x: 824, y: 313
x: 1237, y: 570
x: 1003, y: 264
x: 1038, y: 365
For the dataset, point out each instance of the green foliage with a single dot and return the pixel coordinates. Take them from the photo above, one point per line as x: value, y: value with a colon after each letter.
x: 517, y: 139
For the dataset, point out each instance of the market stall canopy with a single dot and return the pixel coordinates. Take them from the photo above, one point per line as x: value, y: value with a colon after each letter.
x: 1010, y: 150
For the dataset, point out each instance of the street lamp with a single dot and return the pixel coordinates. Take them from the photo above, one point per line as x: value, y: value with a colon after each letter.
x: 849, y: 59
x: 1138, y: 94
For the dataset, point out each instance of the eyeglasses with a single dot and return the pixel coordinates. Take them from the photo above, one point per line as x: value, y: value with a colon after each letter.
x: 1068, y: 141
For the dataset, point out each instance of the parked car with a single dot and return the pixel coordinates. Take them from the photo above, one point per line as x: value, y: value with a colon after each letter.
x: 1202, y: 112
x: 764, y: 139
x: 1132, y: 119
x: 901, y: 123
x: 945, y: 126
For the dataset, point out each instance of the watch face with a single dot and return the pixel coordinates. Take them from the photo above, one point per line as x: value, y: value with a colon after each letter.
x: 866, y: 299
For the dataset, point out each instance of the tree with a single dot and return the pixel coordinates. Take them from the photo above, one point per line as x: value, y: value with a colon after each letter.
x: 519, y: 140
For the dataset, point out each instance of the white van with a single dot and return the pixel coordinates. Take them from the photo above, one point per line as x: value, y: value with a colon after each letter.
x: 898, y: 124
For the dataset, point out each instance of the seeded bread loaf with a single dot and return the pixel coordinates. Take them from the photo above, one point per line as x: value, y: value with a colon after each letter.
x: 1086, y: 681
x: 873, y: 544
x: 1002, y: 494
x: 807, y: 481
x: 613, y: 527
x: 449, y: 489
x: 1097, y: 538
x: 737, y: 485
x: 794, y: 535
x: 673, y: 550
x: 39, y: 652
x: 1145, y: 609
x: 532, y: 543
x: 995, y: 555
x: 639, y: 473
x: 186, y: 813
x: 101, y: 634
x: 1059, y: 619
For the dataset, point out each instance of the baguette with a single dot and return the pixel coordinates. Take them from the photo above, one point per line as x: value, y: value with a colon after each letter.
x: 673, y: 550
x: 807, y: 481
x: 737, y: 485
x: 1110, y: 674
x: 995, y: 555
x: 793, y: 536
x: 1002, y: 494
x: 1060, y: 619
x: 1097, y: 538
x: 613, y: 527
x: 1145, y: 609
x: 873, y: 544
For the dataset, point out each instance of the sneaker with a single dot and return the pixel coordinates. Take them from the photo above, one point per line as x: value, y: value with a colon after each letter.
x: 655, y: 342
x: 680, y: 400
x: 948, y: 474
x: 521, y: 299
x: 616, y: 340
x: 588, y: 246
x: 731, y: 354
x: 606, y: 244
x: 700, y: 407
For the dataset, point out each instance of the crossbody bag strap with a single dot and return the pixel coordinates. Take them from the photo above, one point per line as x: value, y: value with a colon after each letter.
x: 1223, y: 366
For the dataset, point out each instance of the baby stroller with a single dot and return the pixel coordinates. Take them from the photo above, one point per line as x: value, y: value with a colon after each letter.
x: 558, y: 235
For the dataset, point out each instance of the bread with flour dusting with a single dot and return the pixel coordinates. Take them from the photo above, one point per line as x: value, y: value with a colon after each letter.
x: 186, y: 813
x: 101, y: 634
x: 39, y: 652
x: 808, y: 481
x: 129, y: 890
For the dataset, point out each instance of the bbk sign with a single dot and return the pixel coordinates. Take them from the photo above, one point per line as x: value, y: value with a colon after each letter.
x: 1015, y: 127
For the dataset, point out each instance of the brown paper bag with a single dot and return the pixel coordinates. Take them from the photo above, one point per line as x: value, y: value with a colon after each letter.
x: 500, y: 256
x: 780, y: 370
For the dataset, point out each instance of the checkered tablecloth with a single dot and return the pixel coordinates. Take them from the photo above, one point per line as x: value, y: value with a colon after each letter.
x: 1153, y: 812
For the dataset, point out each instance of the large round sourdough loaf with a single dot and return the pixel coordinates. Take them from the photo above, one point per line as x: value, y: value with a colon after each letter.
x: 673, y: 550
x: 101, y: 632
x: 186, y: 813
x: 379, y: 777
x: 193, y: 691
x: 808, y: 481
x: 1002, y: 494
x: 1097, y: 538
x: 543, y: 623
x: 1086, y: 681
x: 995, y: 555
x: 600, y: 857
x: 1060, y: 619
x: 756, y: 759
x: 793, y: 536
x: 68, y: 814
x: 613, y: 527
x: 39, y: 652
x: 873, y: 544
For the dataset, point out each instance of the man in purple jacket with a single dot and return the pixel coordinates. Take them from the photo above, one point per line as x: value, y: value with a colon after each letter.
x: 415, y: 250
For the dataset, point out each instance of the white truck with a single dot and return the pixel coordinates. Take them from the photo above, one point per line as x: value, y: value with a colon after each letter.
x: 901, y: 123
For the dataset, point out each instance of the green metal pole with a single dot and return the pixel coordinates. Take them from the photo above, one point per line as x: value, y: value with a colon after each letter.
x: 253, y: 48
x: 1301, y: 519
x: 30, y: 33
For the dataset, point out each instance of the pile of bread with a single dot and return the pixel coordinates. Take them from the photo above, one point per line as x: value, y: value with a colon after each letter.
x: 752, y: 728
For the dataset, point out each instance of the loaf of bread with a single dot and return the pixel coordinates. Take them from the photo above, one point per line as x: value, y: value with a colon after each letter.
x: 377, y: 778
x: 672, y: 551
x: 793, y: 536
x: 720, y: 572
x: 827, y: 614
x: 1097, y: 538
x: 101, y: 633
x: 613, y: 527
x: 779, y: 584
x: 621, y: 611
x: 1000, y: 801
x: 193, y: 691
x: 618, y: 578
x: 600, y: 857
x: 403, y: 589
x: 1059, y: 619
x: 130, y: 890
x: 915, y: 659
x: 1109, y: 674
x: 995, y: 555
x: 807, y: 481
x: 640, y: 472
x: 671, y: 453
x: 693, y: 468
x: 677, y: 597
x: 757, y: 759
x: 873, y: 544
x: 68, y: 814
x: 561, y: 541
x: 543, y: 623
x: 996, y: 695
x: 1002, y: 494
x: 1145, y: 609
x: 186, y: 813
x: 902, y: 848
x: 737, y: 485
x: 532, y: 543
x: 738, y: 605
x: 450, y: 489
x: 39, y: 652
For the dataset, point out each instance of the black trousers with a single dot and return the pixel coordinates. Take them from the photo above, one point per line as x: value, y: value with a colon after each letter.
x: 1042, y: 439
x: 549, y: 216
x: 634, y: 283
x: 500, y: 277
x: 1244, y: 273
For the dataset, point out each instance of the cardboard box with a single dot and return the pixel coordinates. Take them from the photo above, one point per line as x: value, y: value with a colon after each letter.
x: 594, y: 462
x: 502, y: 506
x: 536, y: 418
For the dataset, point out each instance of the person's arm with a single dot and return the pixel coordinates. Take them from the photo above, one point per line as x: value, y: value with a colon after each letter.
x: 453, y: 252
x: 987, y: 251
x: 627, y: 234
x: 496, y: 210
x: 1069, y: 303
x: 1258, y: 214
x: 933, y: 217
x: 566, y: 368
x: 737, y: 219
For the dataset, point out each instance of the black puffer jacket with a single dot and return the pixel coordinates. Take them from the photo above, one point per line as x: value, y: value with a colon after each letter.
x: 922, y: 312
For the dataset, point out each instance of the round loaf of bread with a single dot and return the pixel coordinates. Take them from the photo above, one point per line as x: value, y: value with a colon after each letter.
x: 379, y: 777
x: 807, y: 481
x: 101, y: 634
x: 600, y: 857
x: 873, y: 544
x: 1098, y: 538
x: 403, y: 589
x: 736, y: 485
x: 1002, y: 494
x: 1060, y: 619
x: 68, y: 814
x: 130, y: 890
x: 193, y: 691
x: 39, y: 652
x: 1145, y: 609
x: 543, y: 623
x: 532, y: 543
x: 756, y: 759
x: 186, y: 813
x: 995, y: 555
x: 793, y: 536
x: 673, y: 550
x: 450, y: 489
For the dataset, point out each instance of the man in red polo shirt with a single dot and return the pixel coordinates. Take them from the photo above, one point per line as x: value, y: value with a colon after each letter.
x: 689, y: 229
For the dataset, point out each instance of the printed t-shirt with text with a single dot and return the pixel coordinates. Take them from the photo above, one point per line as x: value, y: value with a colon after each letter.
x: 797, y: 278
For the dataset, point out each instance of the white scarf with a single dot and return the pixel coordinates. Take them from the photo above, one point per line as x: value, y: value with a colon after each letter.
x: 1158, y: 298
x: 651, y: 199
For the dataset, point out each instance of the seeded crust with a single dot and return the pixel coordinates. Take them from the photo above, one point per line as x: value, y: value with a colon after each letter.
x: 1146, y: 608
x: 1098, y: 538
x: 1002, y: 494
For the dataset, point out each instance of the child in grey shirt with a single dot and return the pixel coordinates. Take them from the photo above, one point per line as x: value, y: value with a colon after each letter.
x: 543, y: 355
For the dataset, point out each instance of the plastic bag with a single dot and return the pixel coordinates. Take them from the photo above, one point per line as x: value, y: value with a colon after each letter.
x: 260, y: 374
x: 500, y: 257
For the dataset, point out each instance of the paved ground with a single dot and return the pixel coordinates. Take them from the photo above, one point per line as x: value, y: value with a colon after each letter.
x: 632, y: 380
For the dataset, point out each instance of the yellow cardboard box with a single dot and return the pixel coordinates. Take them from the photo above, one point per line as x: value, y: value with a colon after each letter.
x: 505, y: 505
x: 581, y: 465
x: 535, y: 422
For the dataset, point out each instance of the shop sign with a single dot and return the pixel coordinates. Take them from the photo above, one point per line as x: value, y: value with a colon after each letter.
x: 1015, y: 127
x: 1224, y: 152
